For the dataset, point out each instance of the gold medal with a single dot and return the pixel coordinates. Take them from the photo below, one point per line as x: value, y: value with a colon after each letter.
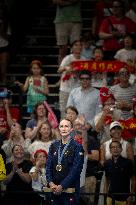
x: 59, y: 168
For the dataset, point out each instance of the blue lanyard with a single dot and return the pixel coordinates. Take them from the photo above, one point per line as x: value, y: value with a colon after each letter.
x: 60, y: 156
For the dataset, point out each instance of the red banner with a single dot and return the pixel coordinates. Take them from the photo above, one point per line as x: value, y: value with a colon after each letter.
x: 99, y: 66
x: 129, y: 128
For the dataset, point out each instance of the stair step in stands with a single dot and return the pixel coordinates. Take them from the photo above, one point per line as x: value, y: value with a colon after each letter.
x: 40, y: 43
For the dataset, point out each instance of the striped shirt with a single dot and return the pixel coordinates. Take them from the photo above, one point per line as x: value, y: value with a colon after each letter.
x: 124, y: 94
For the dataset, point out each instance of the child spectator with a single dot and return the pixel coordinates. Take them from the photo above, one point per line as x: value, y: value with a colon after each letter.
x: 38, y: 174
x: 128, y: 53
x: 98, y: 79
x: 88, y: 46
x: 36, y: 86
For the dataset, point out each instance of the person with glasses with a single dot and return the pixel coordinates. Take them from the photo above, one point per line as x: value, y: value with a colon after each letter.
x: 85, y: 98
x: 114, y: 28
x: 123, y: 93
x: 119, y: 173
x: 105, y: 154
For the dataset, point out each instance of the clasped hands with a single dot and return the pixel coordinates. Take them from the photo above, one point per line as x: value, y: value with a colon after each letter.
x: 56, y: 189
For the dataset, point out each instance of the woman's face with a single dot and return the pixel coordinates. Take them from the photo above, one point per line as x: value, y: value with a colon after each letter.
x: 116, y: 133
x: 45, y: 131
x: 41, y: 111
x: 18, y: 151
x: 71, y: 115
x: 65, y: 127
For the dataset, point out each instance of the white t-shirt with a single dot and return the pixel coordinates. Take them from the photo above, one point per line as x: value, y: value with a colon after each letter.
x: 68, y: 85
x: 41, y: 181
x: 124, y: 55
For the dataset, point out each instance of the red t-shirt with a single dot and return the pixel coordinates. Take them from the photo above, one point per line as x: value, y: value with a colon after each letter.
x: 15, y: 113
x: 124, y: 25
x: 102, y: 10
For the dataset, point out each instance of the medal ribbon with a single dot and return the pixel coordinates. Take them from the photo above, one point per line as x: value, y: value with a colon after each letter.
x: 60, y: 155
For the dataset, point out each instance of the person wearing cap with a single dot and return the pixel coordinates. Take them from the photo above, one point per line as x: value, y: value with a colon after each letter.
x: 64, y: 165
x: 123, y: 93
x: 119, y: 174
x: 127, y: 149
x: 109, y: 113
x: 116, y: 135
x: 38, y: 174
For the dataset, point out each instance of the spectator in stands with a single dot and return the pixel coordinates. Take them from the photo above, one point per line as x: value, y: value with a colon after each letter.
x: 38, y: 174
x: 5, y: 34
x: 71, y: 113
x: 18, y: 179
x: 9, y: 114
x: 85, y: 98
x: 36, y: 85
x: 92, y: 169
x: 103, y: 9
x: 34, y: 124
x: 42, y: 140
x: 80, y: 135
x: 15, y: 138
x: 88, y: 45
x: 40, y: 114
x: 98, y: 79
x: 109, y: 113
x: 68, y: 24
x: 127, y: 150
x: 128, y: 55
x: 123, y: 93
x: 114, y: 28
x: 66, y: 85
x: 119, y: 173
x: 63, y: 168
x: 131, y: 13
x: 115, y: 133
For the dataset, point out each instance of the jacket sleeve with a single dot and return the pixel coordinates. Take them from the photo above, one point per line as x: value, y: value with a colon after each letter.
x: 49, y: 165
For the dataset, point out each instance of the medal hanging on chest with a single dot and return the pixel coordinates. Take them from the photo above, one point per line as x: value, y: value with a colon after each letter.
x: 59, y: 166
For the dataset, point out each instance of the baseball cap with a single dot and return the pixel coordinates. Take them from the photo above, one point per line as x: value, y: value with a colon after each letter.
x: 115, y: 124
